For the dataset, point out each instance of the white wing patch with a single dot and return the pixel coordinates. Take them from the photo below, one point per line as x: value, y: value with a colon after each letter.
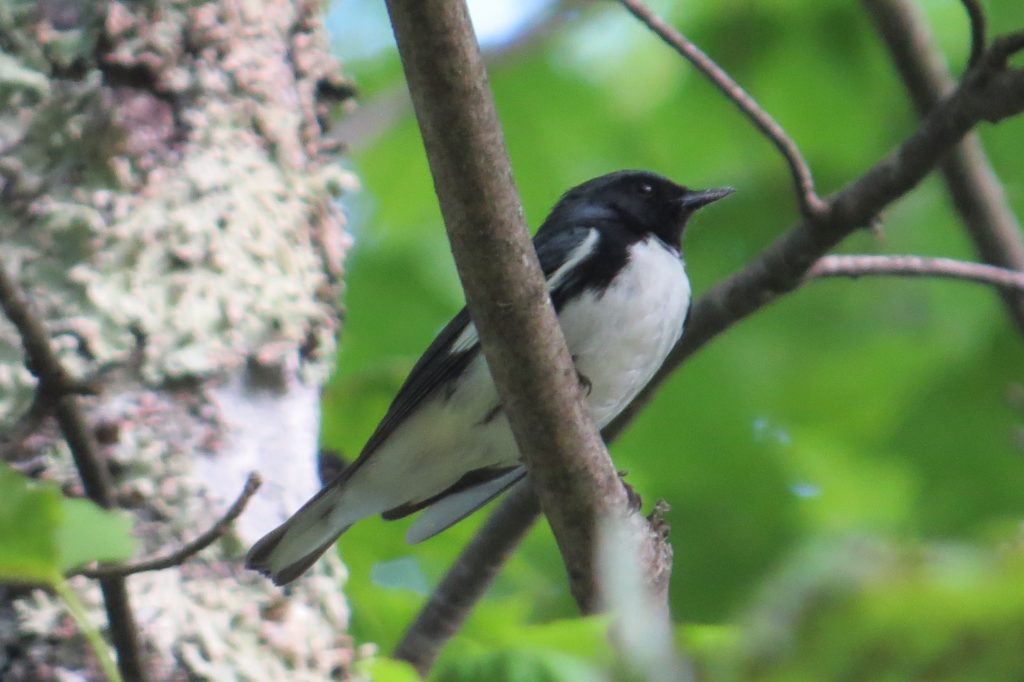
x: 466, y: 340
x: 469, y: 337
x: 585, y: 248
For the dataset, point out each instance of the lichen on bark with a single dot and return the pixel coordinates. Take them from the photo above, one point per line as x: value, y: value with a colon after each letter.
x: 166, y: 192
x: 169, y: 205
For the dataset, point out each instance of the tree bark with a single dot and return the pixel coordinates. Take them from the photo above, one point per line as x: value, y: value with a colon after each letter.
x: 168, y: 210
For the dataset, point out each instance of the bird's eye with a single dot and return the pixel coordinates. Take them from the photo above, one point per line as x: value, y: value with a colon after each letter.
x: 645, y: 188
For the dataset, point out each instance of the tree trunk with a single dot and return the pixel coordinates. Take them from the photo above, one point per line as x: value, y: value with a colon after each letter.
x: 168, y: 207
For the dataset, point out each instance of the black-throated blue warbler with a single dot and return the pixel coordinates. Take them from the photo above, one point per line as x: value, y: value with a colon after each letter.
x: 611, y: 253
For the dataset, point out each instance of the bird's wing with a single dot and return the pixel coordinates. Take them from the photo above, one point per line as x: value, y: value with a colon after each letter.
x: 444, y: 360
x: 457, y: 344
x: 562, y: 255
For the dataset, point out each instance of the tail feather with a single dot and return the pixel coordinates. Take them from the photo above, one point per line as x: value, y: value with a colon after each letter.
x: 265, y: 559
x: 286, y: 552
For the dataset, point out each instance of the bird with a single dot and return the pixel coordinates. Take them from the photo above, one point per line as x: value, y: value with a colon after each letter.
x: 611, y: 253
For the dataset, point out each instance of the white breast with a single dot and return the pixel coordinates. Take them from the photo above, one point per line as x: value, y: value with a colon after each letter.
x: 620, y: 337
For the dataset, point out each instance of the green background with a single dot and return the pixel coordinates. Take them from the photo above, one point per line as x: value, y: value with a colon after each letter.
x: 876, y: 408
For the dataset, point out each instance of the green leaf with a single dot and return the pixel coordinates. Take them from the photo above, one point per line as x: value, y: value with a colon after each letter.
x: 89, y: 533
x: 29, y: 517
x: 43, y: 533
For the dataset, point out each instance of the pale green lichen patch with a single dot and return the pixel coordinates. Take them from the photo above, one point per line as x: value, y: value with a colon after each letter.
x: 18, y: 80
x: 174, y: 196
x: 170, y: 212
x: 214, y: 267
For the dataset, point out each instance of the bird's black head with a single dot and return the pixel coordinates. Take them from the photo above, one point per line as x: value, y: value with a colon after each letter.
x: 641, y: 202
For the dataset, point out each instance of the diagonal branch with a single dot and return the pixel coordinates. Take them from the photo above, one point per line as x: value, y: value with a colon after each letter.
x: 55, y: 383
x: 505, y: 290
x: 811, y: 205
x: 976, y: 191
x: 189, y: 549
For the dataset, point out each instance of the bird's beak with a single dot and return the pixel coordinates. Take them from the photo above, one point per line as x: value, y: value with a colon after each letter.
x: 695, y: 198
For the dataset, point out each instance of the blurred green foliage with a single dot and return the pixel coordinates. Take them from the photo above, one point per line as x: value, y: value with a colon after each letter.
x: 873, y: 407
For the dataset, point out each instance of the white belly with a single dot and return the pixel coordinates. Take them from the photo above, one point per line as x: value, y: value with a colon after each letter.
x: 620, y: 337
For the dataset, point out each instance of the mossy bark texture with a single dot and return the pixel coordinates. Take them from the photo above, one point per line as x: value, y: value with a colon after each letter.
x: 168, y: 204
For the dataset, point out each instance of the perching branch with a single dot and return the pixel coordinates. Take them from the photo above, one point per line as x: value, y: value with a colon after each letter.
x: 916, y: 266
x: 56, y: 384
x: 468, y: 579
x: 505, y: 290
x: 811, y: 205
x: 178, y: 557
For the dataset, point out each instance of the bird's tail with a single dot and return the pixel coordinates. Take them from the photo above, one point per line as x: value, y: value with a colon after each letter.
x: 286, y: 552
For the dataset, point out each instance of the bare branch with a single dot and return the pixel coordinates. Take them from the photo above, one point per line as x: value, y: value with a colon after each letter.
x: 976, y: 191
x: 977, y: 18
x: 54, y: 379
x: 811, y: 205
x: 176, y: 558
x: 916, y: 266
x: 468, y: 578
x: 56, y: 382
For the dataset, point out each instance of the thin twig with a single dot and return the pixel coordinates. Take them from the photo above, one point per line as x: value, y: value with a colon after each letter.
x: 55, y: 382
x: 811, y: 205
x: 972, y: 183
x: 187, y: 550
x: 916, y: 266
x: 977, y: 18
x: 89, y: 630
x: 468, y: 578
